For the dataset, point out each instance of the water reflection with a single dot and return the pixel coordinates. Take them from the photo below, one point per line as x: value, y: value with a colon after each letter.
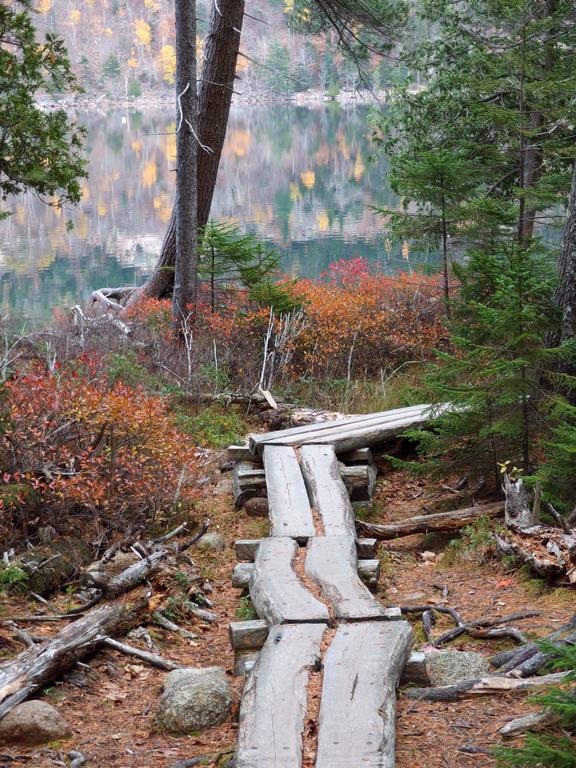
x: 300, y: 178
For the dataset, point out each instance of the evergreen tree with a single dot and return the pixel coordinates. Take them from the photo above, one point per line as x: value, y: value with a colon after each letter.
x: 493, y: 377
x: 39, y: 150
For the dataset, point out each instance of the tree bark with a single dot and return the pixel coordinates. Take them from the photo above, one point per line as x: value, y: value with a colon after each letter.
x: 214, y: 101
x: 565, y: 293
x: 186, y: 257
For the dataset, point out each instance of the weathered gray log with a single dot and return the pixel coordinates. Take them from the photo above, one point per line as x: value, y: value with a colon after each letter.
x: 38, y: 665
x: 247, y: 635
x: 368, y: 571
x: 275, y: 697
x: 535, y: 721
x: 483, y: 686
x: 241, y: 575
x: 239, y: 453
x: 357, y: 722
x: 332, y: 563
x: 440, y: 521
x: 360, y: 481
x: 289, y: 506
x: 322, y: 433
x: 277, y: 593
x: 326, y: 489
x: 415, y: 670
x: 246, y: 549
x: 149, y: 658
x: 358, y: 456
x: 247, y: 480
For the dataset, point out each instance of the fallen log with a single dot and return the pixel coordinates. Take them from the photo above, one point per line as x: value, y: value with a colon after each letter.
x: 440, y: 521
x: 549, y: 552
x: 38, y: 665
x: 482, y: 686
x: 150, y: 658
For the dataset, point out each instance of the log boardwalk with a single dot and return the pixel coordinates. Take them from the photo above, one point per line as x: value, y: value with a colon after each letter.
x: 316, y: 616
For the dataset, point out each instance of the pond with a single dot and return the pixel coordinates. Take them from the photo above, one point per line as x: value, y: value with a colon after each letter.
x: 301, y: 178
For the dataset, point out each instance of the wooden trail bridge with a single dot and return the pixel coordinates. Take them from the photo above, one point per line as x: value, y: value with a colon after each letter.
x: 318, y: 619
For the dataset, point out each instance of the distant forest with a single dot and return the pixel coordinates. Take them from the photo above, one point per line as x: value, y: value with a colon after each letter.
x: 124, y: 48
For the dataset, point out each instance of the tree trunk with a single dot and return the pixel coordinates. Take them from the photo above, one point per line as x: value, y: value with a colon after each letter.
x: 186, y: 261
x: 565, y: 293
x: 214, y: 101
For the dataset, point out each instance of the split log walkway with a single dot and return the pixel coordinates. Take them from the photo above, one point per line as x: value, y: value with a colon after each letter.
x: 320, y: 618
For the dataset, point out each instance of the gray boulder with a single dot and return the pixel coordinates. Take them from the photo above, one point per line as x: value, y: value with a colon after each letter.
x: 193, y: 700
x: 33, y: 722
x: 212, y: 541
x: 449, y: 667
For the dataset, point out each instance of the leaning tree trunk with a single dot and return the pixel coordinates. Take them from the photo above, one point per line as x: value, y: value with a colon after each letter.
x: 186, y: 261
x: 214, y: 101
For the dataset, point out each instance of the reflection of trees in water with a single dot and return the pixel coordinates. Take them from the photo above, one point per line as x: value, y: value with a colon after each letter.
x: 299, y: 177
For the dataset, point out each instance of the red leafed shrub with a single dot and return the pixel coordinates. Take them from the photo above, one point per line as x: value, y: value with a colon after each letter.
x: 83, y: 444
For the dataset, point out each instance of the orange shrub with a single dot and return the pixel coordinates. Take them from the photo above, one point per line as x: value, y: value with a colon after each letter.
x: 83, y: 444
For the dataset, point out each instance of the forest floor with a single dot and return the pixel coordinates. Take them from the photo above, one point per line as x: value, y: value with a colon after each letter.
x: 110, y: 705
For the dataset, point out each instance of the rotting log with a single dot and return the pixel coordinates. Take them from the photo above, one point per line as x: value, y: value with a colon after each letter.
x: 326, y: 489
x: 440, y: 521
x: 549, y: 552
x: 273, y: 708
x: 332, y: 563
x: 36, y: 666
x: 289, y: 506
x: 362, y: 667
x: 321, y: 433
x: 277, y: 593
x: 483, y: 686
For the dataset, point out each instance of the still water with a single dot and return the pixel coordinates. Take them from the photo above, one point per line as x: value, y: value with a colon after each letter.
x: 301, y: 178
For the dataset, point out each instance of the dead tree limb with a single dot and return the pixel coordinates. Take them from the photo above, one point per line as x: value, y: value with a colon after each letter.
x: 483, y: 686
x: 36, y: 666
x: 439, y: 521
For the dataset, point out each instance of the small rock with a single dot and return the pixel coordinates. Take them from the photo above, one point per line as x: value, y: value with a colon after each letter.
x: 449, y: 667
x: 223, y: 487
x: 33, y: 722
x: 193, y: 700
x: 428, y: 556
x: 256, y: 507
x: 416, y: 597
x: 212, y: 541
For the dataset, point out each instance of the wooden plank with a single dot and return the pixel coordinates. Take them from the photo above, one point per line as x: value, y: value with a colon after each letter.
x: 358, y: 456
x: 294, y: 435
x: 275, y: 698
x: 247, y: 635
x: 245, y: 549
x: 358, y: 706
x: 289, y: 507
x: 327, y: 490
x: 239, y: 453
x: 276, y: 592
x: 247, y: 479
x: 332, y: 562
x: 360, y: 481
x: 367, y: 548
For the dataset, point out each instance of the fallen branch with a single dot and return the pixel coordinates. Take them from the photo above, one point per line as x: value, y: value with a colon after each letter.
x: 439, y: 521
x: 483, y: 686
x: 150, y: 658
x: 535, y: 721
x: 483, y: 623
x: 36, y: 666
x: 170, y: 626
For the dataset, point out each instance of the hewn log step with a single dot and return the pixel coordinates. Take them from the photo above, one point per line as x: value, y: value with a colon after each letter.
x: 247, y: 480
x: 246, y: 549
x: 358, y: 706
x: 331, y: 432
x: 368, y: 571
x: 332, y: 563
x: 289, y: 506
x: 275, y: 697
x: 277, y: 593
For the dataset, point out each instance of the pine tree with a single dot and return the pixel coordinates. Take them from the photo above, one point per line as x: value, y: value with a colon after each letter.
x: 493, y: 377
